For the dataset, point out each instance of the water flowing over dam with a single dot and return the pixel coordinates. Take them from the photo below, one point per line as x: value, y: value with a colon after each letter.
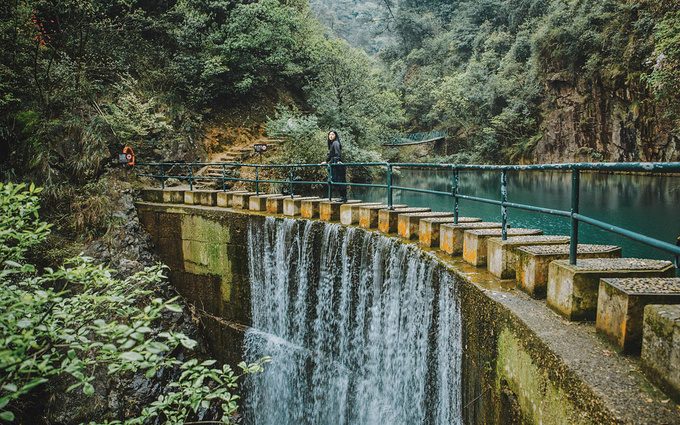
x: 361, y: 329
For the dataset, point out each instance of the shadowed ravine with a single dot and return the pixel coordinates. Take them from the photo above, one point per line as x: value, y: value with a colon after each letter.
x: 362, y: 330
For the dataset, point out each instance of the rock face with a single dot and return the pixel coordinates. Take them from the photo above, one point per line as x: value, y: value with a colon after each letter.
x: 128, y: 250
x: 588, y: 122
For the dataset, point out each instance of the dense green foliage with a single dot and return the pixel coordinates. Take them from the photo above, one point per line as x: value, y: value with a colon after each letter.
x: 490, y: 69
x: 81, y: 79
x: 77, y: 318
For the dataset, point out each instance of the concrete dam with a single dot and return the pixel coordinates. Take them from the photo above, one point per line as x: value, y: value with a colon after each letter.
x: 365, y: 327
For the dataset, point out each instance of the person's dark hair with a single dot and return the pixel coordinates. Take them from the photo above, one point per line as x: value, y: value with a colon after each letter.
x: 337, y: 138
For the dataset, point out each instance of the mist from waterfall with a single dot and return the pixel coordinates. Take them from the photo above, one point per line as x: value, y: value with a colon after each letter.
x: 361, y: 329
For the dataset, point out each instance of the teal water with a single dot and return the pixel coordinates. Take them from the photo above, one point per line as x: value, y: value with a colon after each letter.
x: 649, y: 205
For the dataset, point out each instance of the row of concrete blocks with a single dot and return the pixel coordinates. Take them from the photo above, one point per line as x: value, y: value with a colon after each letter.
x: 602, y: 286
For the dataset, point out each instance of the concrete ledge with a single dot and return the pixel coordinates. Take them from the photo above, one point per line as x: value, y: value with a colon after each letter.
x: 330, y: 210
x: 532, y: 263
x: 349, y: 213
x: 451, y: 236
x: 408, y: 224
x: 661, y: 347
x: 429, y: 231
x: 573, y: 289
x: 239, y: 200
x: 621, y: 304
x: 291, y: 206
x: 387, y: 219
x: 368, y: 215
x: 259, y: 203
x: 474, y: 242
x: 501, y: 254
x: 224, y: 198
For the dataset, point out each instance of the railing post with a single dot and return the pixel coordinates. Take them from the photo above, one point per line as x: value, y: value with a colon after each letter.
x: 330, y: 183
x: 573, y: 242
x: 224, y: 179
x: 257, y: 181
x: 191, y: 178
x: 162, y: 177
x: 291, y: 182
x: 455, y: 194
x: 504, y: 209
x: 389, y: 186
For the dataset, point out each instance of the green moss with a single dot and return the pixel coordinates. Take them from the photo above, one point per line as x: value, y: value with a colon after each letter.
x: 540, y: 401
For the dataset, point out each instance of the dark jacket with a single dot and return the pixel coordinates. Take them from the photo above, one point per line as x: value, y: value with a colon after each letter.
x: 334, y: 151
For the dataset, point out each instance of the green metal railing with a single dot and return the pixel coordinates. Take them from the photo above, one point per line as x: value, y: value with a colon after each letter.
x: 573, y: 214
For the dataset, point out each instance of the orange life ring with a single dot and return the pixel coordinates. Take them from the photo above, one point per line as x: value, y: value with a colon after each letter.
x: 129, y: 155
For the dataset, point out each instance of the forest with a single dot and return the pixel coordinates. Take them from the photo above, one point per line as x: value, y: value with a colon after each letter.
x: 514, y: 81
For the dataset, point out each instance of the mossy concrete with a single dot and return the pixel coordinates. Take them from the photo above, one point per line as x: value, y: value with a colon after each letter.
x: 516, y: 353
x: 661, y: 347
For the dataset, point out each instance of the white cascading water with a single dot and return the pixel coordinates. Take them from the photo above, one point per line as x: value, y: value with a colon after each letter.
x: 361, y: 330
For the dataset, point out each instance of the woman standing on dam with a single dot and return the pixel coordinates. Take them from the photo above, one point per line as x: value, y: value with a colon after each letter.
x: 334, y: 157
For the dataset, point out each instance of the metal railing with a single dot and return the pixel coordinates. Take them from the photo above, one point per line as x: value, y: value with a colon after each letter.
x: 573, y: 214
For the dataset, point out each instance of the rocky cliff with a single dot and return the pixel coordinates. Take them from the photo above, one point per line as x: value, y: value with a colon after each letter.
x: 585, y: 121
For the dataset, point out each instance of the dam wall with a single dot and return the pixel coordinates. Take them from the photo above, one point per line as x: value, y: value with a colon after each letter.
x: 482, y: 352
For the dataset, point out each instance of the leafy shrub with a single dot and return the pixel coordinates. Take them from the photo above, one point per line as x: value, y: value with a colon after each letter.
x: 77, y: 318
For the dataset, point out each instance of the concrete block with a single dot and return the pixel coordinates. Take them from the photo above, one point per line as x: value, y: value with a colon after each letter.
x: 429, y: 231
x: 291, y: 206
x: 224, y: 198
x: 451, y: 236
x: 532, y: 263
x: 501, y: 259
x: 275, y: 204
x: 661, y: 348
x: 368, y: 215
x: 152, y: 195
x: 349, y: 213
x: 259, y: 202
x: 408, y: 224
x: 239, y: 200
x: 330, y: 210
x: 388, y: 219
x: 173, y: 196
x: 621, y: 304
x: 573, y: 289
x: 474, y: 242
x: 208, y: 197
x: 309, y: 208
x: 192, y: 198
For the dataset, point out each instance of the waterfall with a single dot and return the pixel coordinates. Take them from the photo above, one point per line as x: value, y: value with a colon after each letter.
x: 361, y: 330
